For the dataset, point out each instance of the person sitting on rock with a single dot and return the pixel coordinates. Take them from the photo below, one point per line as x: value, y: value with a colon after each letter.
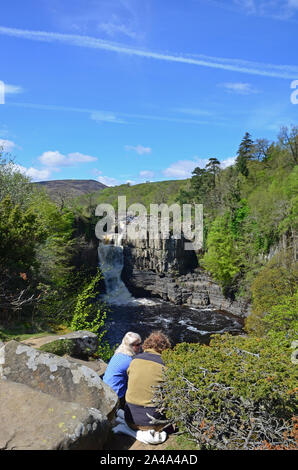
x: 116, y: 372
x: 144, y: 373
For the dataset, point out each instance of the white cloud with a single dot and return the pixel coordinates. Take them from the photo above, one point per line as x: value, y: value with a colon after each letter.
x: 239, y: 87
x: 139, y: 149
x: 34, y: 173
x: 56, y: 159
x: 236, y: 65
x: 12, y: 89
x: 110, y: 116
x: 182, y: 169
x: 248, y: 5
x: 277, y: 9
x: 101, y: 116
x: 194, y: 111
x: 228, y: 162
x: 114, y: 27
x: 147, y: 174
x: 7, y: 145
x: 108, y: 181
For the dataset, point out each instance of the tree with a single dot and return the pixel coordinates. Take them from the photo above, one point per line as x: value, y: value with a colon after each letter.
x: 262, y: 149
x: 223, y: 258
x: 289, y: 140
x: 20, y: 235
x: 245, y: 153
x: 13, y: 182
x: 201, y: 183
x: 273, y: 282
x: 213, y: 166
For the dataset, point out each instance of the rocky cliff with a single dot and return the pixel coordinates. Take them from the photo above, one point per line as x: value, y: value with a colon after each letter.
x: 163, y: 268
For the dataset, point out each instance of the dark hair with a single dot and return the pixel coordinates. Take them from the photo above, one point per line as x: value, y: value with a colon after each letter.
x: 157, y: 341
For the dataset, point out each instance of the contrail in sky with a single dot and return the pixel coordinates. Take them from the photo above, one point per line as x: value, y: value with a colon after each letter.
x: 235, y: 65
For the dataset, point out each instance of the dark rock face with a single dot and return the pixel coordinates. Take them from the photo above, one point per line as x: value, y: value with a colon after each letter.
x: 158, y: 255
x: 162, y: 268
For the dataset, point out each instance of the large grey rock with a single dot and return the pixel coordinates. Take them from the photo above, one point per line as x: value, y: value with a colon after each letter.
x: 57, y: 376
x: 99, y: 366
x: 78, y: 344
x: 85, y: 342
x: 32, y: 420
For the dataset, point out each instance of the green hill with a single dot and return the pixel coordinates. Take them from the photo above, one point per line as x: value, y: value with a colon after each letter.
x: 144, y: 193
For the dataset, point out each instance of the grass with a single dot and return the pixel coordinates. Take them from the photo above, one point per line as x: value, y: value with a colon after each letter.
x: 22, y: 331
x: 181, y: 442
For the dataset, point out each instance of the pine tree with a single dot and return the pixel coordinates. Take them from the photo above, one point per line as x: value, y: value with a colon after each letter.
x: 213, y: 167
x: 245, y: 153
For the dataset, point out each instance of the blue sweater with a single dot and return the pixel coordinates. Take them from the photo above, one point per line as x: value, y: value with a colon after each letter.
x: 116, y: 373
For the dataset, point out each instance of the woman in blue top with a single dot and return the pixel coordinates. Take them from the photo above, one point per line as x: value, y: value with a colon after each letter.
x: 116, y: 372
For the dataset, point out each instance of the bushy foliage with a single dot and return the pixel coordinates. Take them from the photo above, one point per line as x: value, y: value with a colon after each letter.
x: 13, y: 182
x: 248, y: 213
x: 223, y: 257
x: 236, y: 393
x: 144, y: 193
x: 273, y: 288
x: 90, y: 314
x: 39, y: 279
x: 282, y: 321
x: 20, y: 235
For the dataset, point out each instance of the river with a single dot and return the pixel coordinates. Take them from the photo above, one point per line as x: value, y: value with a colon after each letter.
x: 142, y: 315
x: 180, y: 324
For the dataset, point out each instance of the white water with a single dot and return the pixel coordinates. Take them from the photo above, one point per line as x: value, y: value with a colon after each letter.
x: 111, y: 264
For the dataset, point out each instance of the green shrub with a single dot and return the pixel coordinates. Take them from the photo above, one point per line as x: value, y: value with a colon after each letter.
x: 236, y: 393
x: 59, y: 347
x: 275, y: 281
x: 90, y: 314
x: 282, y: 321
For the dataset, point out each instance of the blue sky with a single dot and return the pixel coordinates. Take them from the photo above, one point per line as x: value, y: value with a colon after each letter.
x: 138, y: 90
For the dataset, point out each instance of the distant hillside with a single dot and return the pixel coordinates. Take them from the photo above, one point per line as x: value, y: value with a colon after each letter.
x: 58, y: 189
x: 144, y: 193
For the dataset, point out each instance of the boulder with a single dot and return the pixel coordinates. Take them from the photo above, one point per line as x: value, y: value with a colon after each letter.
x: 32, y: 420
x: 99, y: 366
x: 78, y: 344
x: 57, y: 376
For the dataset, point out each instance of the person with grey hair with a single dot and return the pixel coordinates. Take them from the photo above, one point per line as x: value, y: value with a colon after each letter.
x: 116, y: 372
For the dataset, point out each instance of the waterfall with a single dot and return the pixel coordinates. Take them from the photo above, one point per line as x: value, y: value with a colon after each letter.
x: 111, y: 262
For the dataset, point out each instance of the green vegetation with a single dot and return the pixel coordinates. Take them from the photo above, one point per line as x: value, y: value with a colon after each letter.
x: 90, y: 314
x: 145, y: 193
x: 236, y: 393
x: 59, y: 347
x: 44, y: 267
x: 239, y: 392
x: 248, y: 214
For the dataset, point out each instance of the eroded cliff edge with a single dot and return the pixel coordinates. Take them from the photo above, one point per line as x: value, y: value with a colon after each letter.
x: 164, y: 269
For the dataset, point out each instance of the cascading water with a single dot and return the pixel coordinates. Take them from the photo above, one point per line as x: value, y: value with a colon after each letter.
x: 145, y: 315
x: 111, y: 264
